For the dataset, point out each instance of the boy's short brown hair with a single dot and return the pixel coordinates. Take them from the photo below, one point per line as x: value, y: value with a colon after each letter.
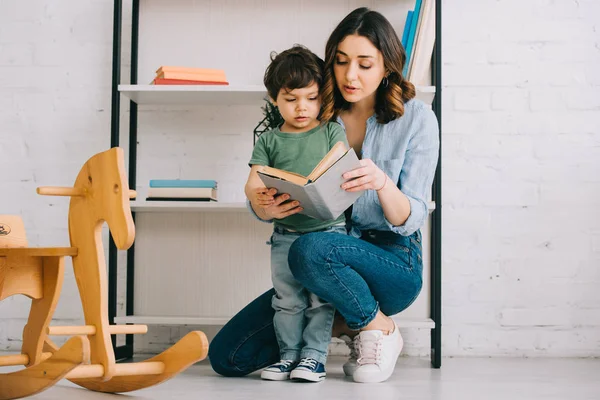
x: 291, y: 69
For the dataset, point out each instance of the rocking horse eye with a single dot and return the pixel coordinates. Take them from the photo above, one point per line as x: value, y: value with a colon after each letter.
x: 90, y: 179
x: 116, y: 188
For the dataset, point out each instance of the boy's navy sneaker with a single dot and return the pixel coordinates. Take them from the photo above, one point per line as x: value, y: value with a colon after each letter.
x: 309, y: 369
x: 279, y: 371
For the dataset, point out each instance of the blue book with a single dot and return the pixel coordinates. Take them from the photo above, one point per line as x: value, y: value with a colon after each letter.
x: 182, y: 183
x: 406, y: 29
x: 411, y: 36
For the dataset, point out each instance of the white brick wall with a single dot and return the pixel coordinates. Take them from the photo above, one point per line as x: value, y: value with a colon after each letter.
x: 55, y: 75
x: 521, y: 157
x: 521, y: 160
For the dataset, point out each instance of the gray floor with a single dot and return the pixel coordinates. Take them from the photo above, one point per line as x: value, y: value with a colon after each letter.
x: 459, y: 378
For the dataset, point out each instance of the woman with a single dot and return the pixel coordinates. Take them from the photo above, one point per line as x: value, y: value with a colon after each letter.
x: 376, y: 271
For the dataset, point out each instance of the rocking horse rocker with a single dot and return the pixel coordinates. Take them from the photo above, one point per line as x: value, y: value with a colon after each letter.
x: 100, y: 193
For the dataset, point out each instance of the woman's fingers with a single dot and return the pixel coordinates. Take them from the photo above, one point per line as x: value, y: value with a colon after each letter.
x: 280, y: 210
x: 281, y: 198
x: 365, y: 177
x: 291, y: 211
x: 356, y: 173
x: 358, y: 184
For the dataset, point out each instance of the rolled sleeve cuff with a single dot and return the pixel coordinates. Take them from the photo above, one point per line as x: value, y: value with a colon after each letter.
x: 249, y: 207
x: 416, y: 219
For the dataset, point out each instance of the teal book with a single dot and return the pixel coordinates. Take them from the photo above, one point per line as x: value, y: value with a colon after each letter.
x: 406, y: 29
x: 412, y: 36
x: 183, y: 183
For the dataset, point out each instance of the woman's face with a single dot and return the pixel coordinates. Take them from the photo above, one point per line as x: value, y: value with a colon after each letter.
x: 358, y: 68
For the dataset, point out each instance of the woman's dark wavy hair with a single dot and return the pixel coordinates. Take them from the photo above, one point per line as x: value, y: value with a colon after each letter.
x: 294, y: 68
x: 390, y: 99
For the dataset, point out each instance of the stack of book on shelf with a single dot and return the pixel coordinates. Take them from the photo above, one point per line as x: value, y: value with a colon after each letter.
x: 418, y: 40
x: 182, y: 190
x: 189, y: 76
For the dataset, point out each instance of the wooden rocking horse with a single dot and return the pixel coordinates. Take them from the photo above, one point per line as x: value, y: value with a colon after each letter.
x: 100, y: 194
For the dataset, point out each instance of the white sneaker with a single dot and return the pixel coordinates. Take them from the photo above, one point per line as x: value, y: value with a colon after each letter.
x: 377, y: 355
x: 350, y: 365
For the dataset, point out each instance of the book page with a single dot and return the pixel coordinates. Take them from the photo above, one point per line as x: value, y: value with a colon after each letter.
x: 284, y: 175
x: 337, y: 151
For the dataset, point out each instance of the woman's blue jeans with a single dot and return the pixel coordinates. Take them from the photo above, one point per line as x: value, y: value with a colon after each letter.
x: 380, y: 271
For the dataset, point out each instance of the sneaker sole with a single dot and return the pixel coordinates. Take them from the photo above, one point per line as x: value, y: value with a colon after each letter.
x: 307, y: 376
x: 274, y: 376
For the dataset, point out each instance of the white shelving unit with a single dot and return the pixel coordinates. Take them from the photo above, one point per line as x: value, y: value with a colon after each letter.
x: 198, y: 263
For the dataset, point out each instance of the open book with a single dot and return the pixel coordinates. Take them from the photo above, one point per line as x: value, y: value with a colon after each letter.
x: 320, y: 193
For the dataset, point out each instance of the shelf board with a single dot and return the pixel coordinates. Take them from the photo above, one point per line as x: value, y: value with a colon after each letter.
x: 215, y: 95
x: 425, y: 323
x: 199, y: 206
x: 186, y: 206
x: 194, y: 94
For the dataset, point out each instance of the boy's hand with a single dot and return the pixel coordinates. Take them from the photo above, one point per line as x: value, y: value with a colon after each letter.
x: 264, y: 197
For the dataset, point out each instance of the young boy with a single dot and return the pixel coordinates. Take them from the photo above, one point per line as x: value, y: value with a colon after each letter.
x: 302, y: 320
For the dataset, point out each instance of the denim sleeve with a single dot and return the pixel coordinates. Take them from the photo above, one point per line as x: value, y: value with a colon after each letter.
x: 249, y: 206
x: 416, y: 176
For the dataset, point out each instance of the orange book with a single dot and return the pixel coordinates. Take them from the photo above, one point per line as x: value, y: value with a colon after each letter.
x: 163, y: 81
x: 207, y: 71
x: 193, y: 76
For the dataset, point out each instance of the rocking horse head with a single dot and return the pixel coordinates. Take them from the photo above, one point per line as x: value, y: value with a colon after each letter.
x: 101, y: 193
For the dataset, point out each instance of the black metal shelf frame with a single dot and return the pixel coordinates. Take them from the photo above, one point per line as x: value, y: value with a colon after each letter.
x: 126, y: 351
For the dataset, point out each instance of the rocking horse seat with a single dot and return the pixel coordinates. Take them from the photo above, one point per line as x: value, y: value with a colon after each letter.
x: 38, y: 274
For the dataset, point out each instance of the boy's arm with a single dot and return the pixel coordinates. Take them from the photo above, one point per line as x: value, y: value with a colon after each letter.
x: 258, y: 194
x: 263, y: 201
x: 336, y: 134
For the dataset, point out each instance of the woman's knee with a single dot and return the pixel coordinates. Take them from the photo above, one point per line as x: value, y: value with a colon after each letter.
x: 403, y: 297
x: 219, y: 358
x: 308, y: 253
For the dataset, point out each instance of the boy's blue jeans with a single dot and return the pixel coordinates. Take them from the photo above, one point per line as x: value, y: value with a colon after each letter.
x: 302, y: 320
x: 358, y: 276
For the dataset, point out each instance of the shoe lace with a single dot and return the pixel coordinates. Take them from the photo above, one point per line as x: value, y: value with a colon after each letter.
x: 284, y: 363
x: 308, y: 363
x: 352, y: 345
x: 369, y: 350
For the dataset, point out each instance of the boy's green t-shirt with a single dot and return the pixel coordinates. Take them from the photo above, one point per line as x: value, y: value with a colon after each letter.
x: 299, y: 153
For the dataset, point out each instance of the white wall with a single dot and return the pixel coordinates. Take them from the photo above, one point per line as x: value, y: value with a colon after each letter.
x: 521, y: 157
x: 521, y: 237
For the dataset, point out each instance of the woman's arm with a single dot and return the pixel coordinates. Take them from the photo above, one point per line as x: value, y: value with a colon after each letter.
x: 395, y: 205
x: 404, y: 207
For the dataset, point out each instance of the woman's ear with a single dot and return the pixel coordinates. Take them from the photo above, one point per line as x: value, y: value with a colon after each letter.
x: 274, y: 102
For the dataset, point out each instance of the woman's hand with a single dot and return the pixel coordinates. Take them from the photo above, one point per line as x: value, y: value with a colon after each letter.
x: 368, y: 176
x: 271, y: 204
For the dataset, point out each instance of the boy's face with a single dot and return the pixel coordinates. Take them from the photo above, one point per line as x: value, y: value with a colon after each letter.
x: 299, y: 108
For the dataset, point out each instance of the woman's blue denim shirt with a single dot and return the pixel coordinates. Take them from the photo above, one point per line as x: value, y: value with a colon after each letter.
x: 406, y: 149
